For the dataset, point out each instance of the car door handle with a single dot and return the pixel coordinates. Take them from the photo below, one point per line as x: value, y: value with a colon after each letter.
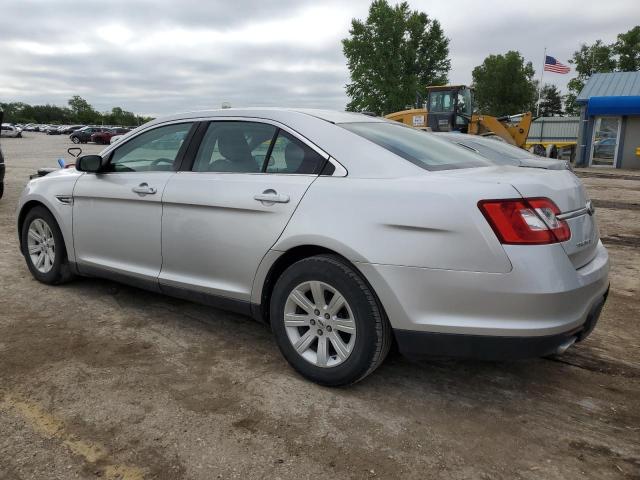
x: 144, y: 189
x: 271, y: 196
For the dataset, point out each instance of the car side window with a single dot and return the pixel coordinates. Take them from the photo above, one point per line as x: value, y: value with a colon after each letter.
x: 155, y: 150
x: 290, y: 155
x: 234, y: 146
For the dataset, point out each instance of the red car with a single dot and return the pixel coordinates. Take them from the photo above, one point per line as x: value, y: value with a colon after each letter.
x: 104, y: 137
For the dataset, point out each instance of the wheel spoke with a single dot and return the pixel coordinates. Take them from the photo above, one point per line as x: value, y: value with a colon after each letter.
x: 336, y: 304
x: 322, y: 353
x: 318, y: 294
x: 341, y: 349
x: 40, y: 260
x: 33, y: 249
x: 296, y: 320
x: 304, y: 341
x: 302, y: 301
x: 47, y: 262
x: 34, y: 235
x: 38, y: 226
x: 344, y: 325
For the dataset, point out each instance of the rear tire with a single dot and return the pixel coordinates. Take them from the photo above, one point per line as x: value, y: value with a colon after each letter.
x: 329, y: 341
x: 44, y: 249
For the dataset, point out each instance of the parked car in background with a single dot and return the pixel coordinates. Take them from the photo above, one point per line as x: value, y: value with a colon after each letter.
x: 70, y: 129
x: 2, y: 168
x: 604, y: 148
x: 83, y: 135
x: 104, y: 137
x: 502, y: 153
x: 343, y: 231
x: 52, y: 130
x: 10, y: 131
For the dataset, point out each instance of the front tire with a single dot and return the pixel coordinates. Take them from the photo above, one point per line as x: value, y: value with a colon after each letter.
x: 75, y: 140
x: 327, y: 322
x: 44, y: 249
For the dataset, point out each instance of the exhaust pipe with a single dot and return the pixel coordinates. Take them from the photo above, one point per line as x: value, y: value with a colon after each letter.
x: 565, y: 346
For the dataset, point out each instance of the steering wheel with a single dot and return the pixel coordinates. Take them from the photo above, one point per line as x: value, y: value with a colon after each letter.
x: 158, y: 161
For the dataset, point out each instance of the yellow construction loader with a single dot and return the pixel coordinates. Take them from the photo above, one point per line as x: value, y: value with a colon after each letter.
x: 451, y: 108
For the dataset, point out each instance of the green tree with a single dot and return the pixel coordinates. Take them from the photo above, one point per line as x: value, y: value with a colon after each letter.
x: 504, y: 84
x: 82, y: 111
x: 589, y: 59
x: 627, y: 48
x: 118, y: 116
x: 393, y: 56
x: 550, y: 101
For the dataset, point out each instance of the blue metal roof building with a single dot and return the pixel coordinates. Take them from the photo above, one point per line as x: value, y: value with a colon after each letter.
x: 609, y: 132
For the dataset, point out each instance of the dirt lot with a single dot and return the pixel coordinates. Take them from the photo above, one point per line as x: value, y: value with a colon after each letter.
x: 103, y: 380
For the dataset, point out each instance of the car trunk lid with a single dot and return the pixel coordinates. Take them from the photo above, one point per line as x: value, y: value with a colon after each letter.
x: 563, y: 188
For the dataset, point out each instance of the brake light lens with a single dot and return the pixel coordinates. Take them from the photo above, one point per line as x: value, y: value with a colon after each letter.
x: 525, y: 221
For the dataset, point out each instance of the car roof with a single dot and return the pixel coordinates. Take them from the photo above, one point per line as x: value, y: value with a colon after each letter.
x: 274, y: 113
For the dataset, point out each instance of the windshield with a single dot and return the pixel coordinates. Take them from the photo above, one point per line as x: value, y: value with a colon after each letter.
x: 420, y: 148
x: 441, y: 101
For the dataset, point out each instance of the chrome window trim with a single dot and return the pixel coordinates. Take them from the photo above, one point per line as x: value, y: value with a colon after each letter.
x: 340, y: 170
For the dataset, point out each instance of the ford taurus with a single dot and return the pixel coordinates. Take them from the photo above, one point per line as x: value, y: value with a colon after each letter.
x: 345, y: 233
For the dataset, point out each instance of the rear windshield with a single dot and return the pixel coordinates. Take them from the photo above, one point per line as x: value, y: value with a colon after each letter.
x: 421, y: 148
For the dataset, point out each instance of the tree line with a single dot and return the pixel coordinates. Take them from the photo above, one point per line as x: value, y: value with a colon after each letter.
x: 395, y: 53
x: 78, y: 112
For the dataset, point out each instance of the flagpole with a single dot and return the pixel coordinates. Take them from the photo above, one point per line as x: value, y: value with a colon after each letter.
x: 544, y: 61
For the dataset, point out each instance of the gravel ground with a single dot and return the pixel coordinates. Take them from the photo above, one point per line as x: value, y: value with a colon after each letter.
x: 103, y: 380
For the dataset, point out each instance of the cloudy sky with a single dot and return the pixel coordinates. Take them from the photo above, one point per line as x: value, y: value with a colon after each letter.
x: 162, y: 56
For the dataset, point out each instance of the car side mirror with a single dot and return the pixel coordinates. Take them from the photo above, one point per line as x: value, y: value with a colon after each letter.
x: 89, y: 163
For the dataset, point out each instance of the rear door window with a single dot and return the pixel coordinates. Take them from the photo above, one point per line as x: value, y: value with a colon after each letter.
x: 290, y: 155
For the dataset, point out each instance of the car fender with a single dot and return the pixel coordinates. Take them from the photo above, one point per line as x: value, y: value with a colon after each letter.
x: 55, y: 192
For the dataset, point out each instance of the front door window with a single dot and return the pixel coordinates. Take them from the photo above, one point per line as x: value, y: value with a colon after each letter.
x: 604, y: 148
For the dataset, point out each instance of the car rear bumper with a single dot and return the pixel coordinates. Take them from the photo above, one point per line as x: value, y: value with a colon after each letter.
x: 417, y: 345
x: 542, y: 296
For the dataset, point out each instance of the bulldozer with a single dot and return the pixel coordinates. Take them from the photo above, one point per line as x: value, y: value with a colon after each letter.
x: 450, y: 108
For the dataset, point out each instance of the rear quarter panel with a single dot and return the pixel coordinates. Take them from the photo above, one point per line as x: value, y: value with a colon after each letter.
x: 420, y: 221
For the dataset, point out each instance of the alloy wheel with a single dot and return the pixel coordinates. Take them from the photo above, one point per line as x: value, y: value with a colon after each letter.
x: 41, y: 245
x: 320, y: 324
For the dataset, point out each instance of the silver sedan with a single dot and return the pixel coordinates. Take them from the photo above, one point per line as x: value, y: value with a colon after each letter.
x: 345, y: 233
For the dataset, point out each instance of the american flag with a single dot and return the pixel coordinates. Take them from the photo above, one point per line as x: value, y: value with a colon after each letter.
x: 552, y: 65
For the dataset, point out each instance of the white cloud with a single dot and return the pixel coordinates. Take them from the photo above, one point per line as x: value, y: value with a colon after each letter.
x: 160, y: 56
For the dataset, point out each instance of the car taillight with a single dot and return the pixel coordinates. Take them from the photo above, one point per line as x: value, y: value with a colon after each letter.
x: 526, y: 221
